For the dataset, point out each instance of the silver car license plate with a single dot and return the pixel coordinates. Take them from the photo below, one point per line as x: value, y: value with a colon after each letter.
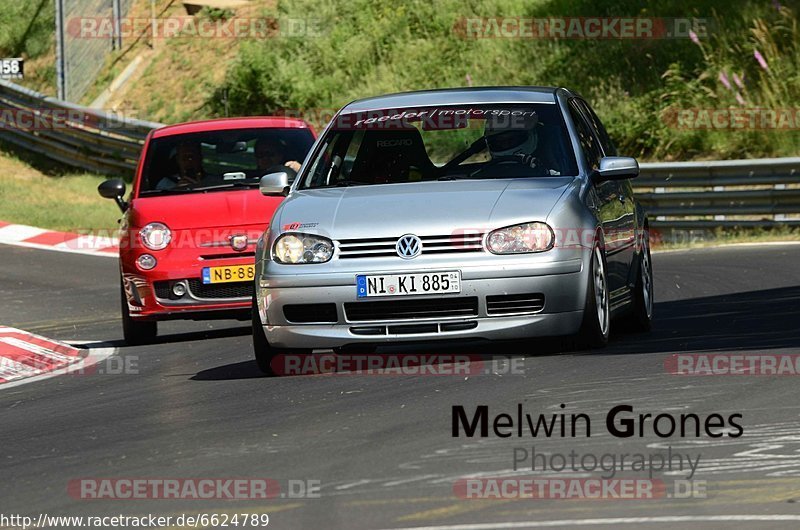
x: 369, y: 285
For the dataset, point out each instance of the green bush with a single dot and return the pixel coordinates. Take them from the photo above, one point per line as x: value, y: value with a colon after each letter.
x: 367, y: 48
x: 27, y: 28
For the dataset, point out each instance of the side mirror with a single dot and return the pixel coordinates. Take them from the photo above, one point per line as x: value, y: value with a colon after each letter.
x: 275, y: 184
x: 113, y: 189
x: 617, y: 168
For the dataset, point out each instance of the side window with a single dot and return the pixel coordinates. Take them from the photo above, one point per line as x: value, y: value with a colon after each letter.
x: 328, y: 165
x: 352, y: 152
x: 597, y: 126
x: 589, y: 143
x: 316, y: 174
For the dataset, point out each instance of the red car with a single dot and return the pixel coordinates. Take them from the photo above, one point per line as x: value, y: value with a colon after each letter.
x: 194, y: 215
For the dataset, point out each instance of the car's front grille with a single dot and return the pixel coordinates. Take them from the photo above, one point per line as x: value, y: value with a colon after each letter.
x: 408, y: 329
x: 385, y: 246
x: 507, y: 304
x: 305, y: 313
x: 221, y: 290
x: 162, y: 289
x: 411, y: 309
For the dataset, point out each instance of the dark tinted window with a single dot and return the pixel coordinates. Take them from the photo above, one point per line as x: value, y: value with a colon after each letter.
x: 589, y: 143
x: 600, y: 131
x: 389, y: 146
x: 220, y: 159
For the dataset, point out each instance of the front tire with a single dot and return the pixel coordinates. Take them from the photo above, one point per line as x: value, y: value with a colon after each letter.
x: 135, y: 332
x: 596, y: 326
x: 266, y: 354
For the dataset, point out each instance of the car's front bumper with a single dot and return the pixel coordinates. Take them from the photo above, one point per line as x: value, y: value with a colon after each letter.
x: 150, y: 293
x: 148, y: 302
x: 562, y: 285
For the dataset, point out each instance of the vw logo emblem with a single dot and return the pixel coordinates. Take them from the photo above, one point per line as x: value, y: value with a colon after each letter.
x: 409, y: 246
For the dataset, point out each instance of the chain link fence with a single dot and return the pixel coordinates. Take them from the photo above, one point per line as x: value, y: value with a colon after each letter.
x: 86, y: 32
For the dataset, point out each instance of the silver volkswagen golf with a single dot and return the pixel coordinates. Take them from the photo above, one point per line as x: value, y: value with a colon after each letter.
x: 485, y: 213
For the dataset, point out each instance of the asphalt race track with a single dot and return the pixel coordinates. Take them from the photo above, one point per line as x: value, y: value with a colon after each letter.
x: 195, y: 406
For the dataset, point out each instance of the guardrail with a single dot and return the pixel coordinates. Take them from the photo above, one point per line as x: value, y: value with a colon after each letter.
x: 88, y: 139
x: 731, y: 193
x: 677, y: 195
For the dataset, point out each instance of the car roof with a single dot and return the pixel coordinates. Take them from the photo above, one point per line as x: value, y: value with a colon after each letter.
x: 225, y: 124
x: 456, y: 96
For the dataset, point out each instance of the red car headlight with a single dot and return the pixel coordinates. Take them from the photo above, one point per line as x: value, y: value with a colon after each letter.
x: 155, y: 236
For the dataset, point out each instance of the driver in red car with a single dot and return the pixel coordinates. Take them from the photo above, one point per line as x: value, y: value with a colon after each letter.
x: 189, y: 157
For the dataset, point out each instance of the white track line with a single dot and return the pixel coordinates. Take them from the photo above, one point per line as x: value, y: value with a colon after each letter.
x: 61, y: 249
x: 90, y: 243
x: 37, y: 350
x: 87, y: 244
x: 728, y: 245
x: 613, y: 521
x: 11, y: 370
x: 19, y: 232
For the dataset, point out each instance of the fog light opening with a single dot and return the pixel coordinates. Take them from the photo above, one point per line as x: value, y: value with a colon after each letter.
x: 179, y: 289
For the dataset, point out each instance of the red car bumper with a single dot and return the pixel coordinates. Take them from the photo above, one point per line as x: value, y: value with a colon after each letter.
x: 152, y: 294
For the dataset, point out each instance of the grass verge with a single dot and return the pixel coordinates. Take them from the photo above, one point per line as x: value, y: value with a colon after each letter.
x: 57, y: 201
x: 714, y: 238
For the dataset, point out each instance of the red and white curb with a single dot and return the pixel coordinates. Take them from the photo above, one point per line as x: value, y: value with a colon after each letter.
x: 25, y: 357
x: 32, y: 237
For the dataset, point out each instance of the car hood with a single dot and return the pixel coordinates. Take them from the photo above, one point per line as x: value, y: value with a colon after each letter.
x: 423, y: 208
x: 205, y: 210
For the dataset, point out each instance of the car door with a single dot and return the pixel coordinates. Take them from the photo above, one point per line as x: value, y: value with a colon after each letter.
x: 607, y: 197
x: 627, y: 236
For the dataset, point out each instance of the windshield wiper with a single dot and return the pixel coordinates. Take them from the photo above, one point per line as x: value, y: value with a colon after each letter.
x: 457, y: 177
x: 182, y: 189
x: 346, y: 183
x: 234, y: 184
x: 167, y: 191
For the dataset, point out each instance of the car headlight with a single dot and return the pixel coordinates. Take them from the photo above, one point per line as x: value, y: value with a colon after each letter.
x: 520, y: 239
x: 302, y: 248
x: 155, y: 236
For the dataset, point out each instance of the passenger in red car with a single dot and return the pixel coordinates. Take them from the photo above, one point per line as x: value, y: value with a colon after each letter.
x: 269, y: 153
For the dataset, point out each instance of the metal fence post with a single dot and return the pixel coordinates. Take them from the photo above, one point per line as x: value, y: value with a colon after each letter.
x: 116, y: 14
x: 61, y: 74
x: 779, y: 216
x: 719, y: 217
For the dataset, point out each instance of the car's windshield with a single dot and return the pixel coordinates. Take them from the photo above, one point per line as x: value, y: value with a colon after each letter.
x: 219, y: 160
x: 442, y: 143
